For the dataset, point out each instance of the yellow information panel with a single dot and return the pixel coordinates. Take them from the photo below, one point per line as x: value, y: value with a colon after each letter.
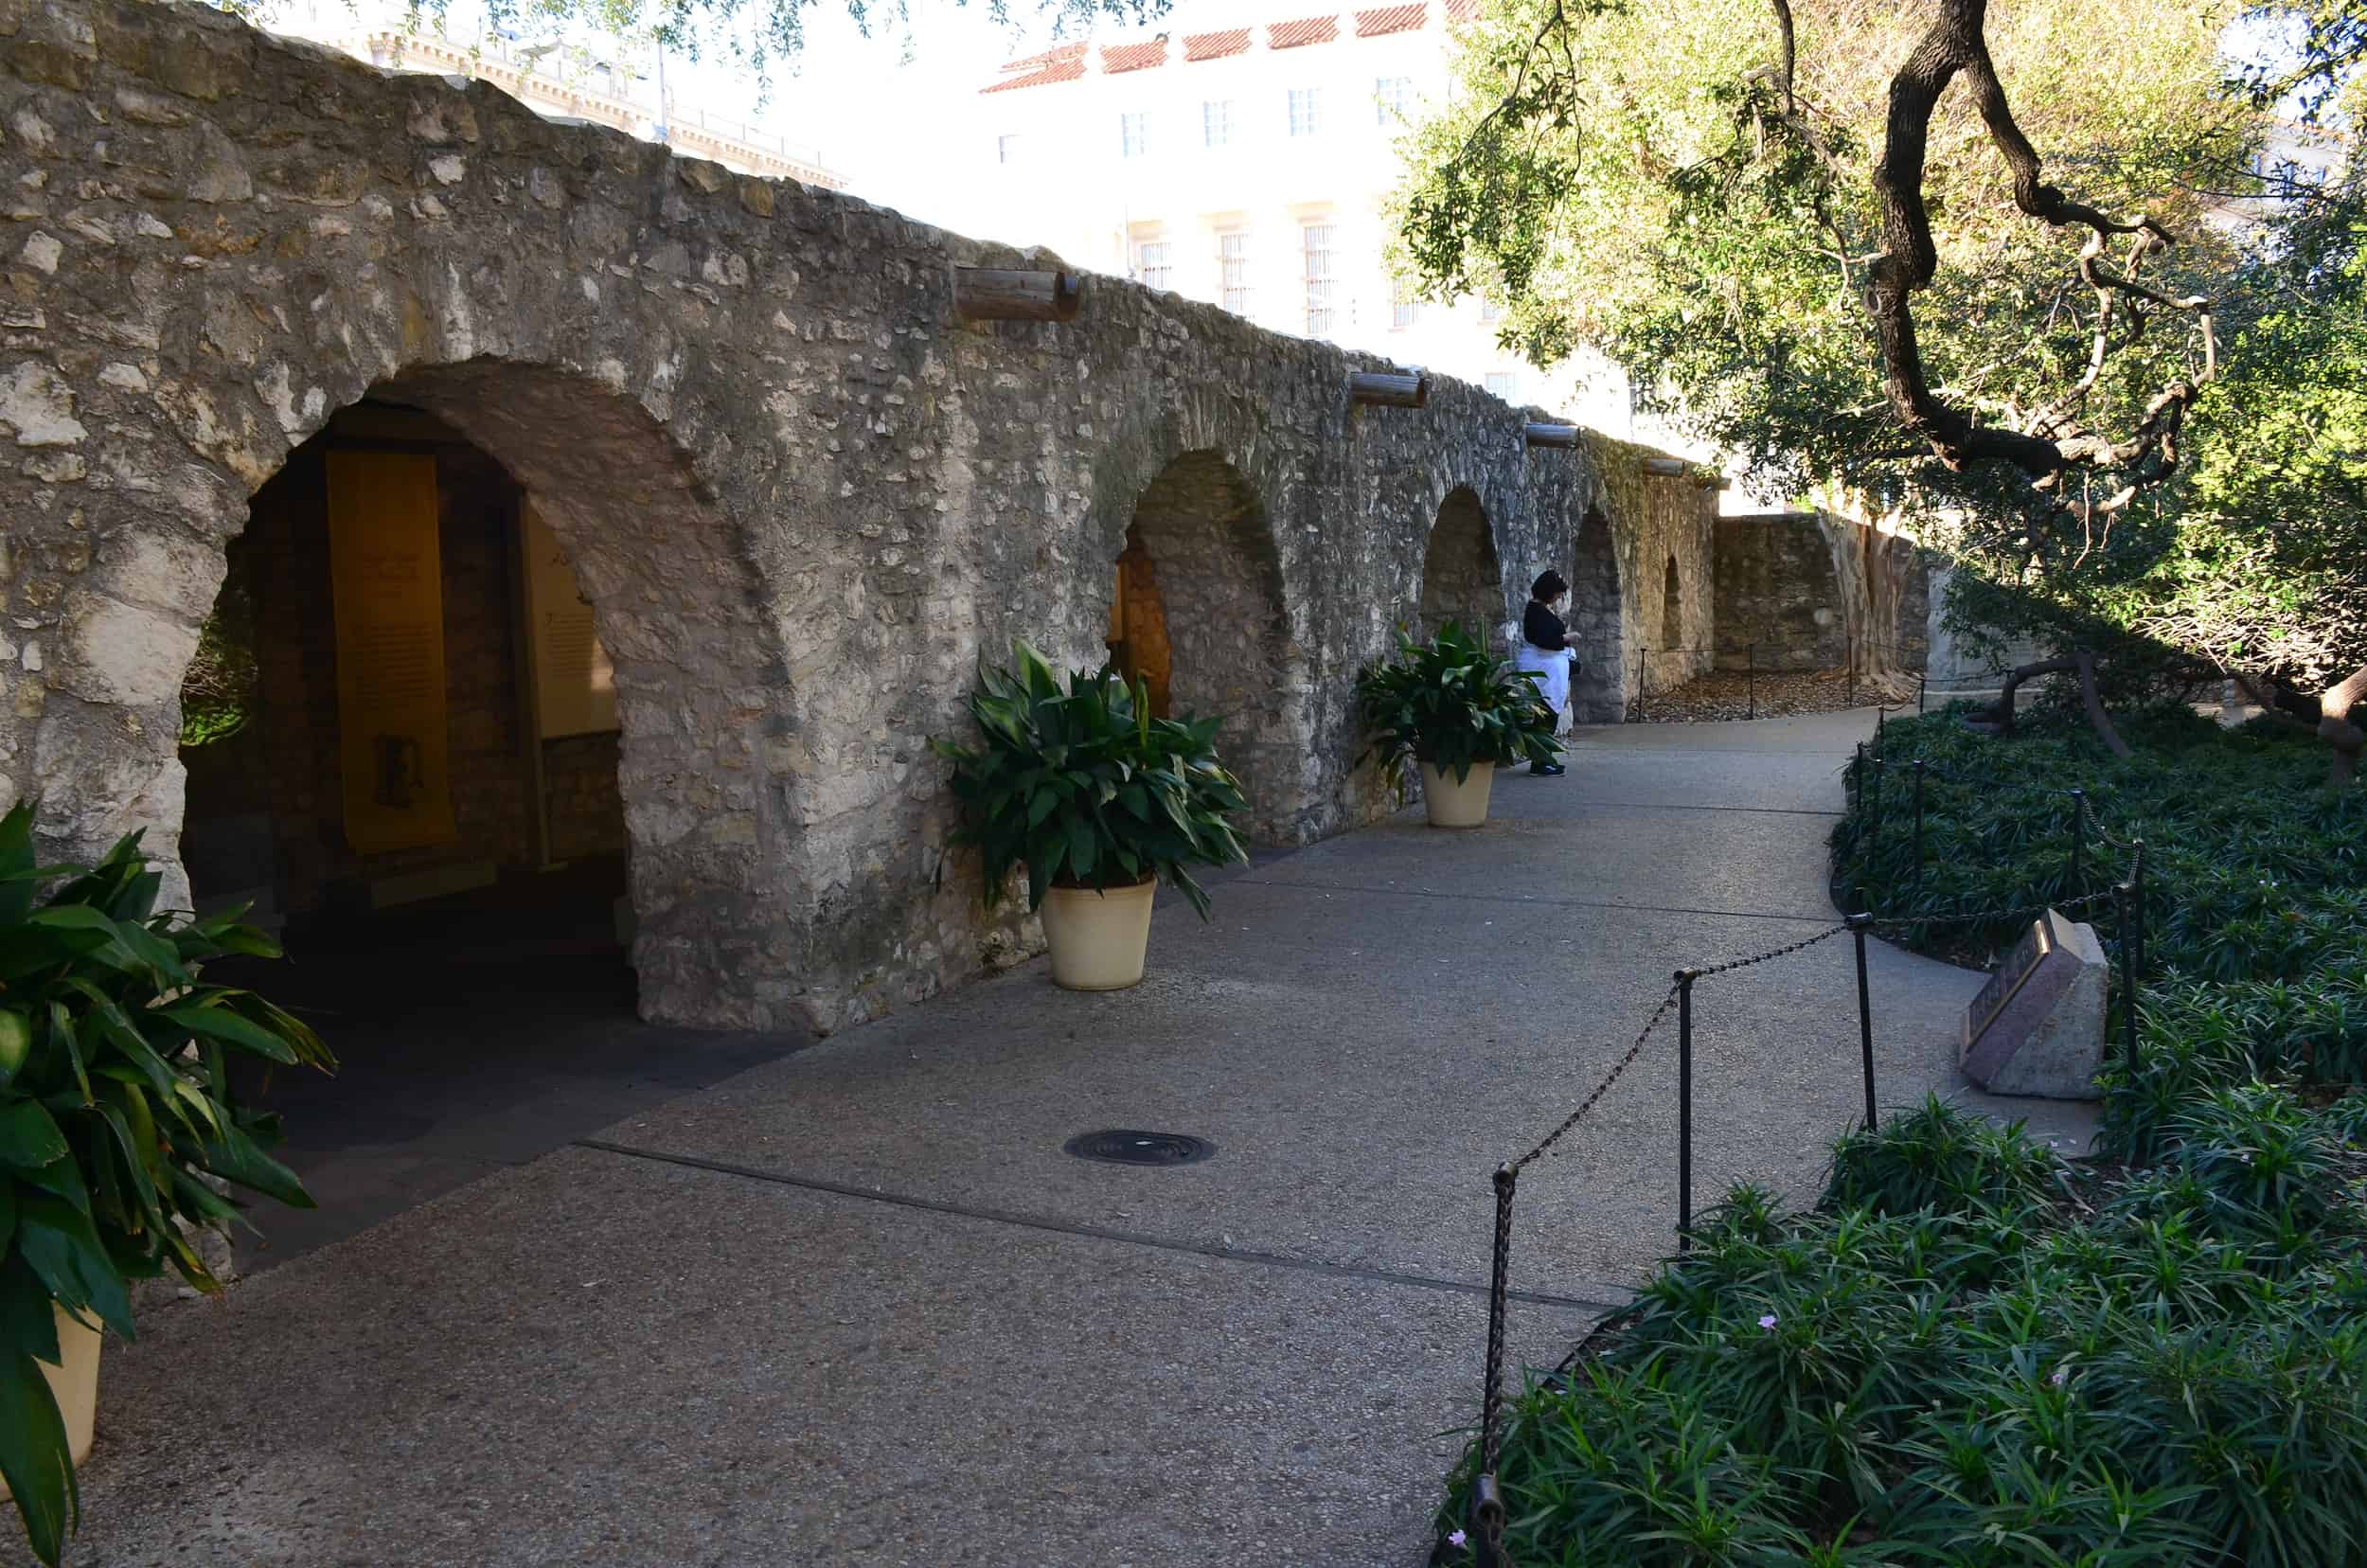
x: 574, y: 685
x: 386, y: 583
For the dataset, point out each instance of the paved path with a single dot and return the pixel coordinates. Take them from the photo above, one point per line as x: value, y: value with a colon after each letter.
x: 854, y: 1306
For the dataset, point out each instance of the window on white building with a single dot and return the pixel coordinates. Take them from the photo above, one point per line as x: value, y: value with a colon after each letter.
x: 1006, y: 149
x: 1307, y: 111
x: 1405, y: 309
x: 1216, y: 122
x: 1233, y: 260
x: 1394, y: 99
x: 1154, y: 263
x: 1321, y: 283
x: 1490, y: 312
x: 1132, y: 130
x: 1503, y: 383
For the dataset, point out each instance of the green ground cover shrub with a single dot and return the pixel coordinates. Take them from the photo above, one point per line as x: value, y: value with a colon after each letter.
x: 1970, y: 1350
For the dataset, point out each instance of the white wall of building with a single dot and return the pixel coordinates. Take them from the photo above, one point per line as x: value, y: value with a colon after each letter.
x: 1058, y: 165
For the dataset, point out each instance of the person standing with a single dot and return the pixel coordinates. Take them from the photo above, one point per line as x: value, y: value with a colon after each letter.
x: 1545, y: 652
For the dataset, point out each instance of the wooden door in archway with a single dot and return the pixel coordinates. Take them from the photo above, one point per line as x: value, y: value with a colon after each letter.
x: 1138, y: 625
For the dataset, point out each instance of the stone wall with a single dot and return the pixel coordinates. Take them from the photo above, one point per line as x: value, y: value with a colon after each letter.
x: 1804, y: 591
x: 804, y: 498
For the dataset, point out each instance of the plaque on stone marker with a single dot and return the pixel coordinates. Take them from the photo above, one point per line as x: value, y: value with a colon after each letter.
x: 2038, y: 1027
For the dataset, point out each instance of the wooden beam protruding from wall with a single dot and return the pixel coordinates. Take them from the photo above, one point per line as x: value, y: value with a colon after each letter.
x: 1389, y: 388
x: 1003, y: 294
x: 1666, y: 468
x: 1564, y: 437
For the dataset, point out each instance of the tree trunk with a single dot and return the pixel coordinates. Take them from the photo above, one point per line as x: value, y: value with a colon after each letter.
x: 2326, y: 715
x: 2000, y: 717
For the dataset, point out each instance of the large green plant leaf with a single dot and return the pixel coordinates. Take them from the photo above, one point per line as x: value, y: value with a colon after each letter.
x: 29, y: 1137
x: 231, y: 1028
x: 59, y: 1242
x: 35, y: 1458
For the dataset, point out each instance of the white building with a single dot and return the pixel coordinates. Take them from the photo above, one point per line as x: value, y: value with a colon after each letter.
x: 1248, y: 167
x: 590, y: 76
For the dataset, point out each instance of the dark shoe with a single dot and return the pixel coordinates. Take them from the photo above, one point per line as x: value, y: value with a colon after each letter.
x: 1547, y: 770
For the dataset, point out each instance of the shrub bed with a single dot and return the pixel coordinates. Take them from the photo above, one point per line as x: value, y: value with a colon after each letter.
x: 1970, y: 1350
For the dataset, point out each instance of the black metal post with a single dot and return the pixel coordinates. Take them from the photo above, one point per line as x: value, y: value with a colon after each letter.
x: 1641, y: 678
x: 2126, y: 896
x: 1751, y: 676
x: 1685, y: 1107
x: 1918, y: 822
x: 1857, y: 925
x: 1849, y: 657
x: 1878, y: 717
x: 1876, y: 829
x: 1923, y: 678
x: 2079, y: 837
x: 2137, y: 891
x: 1492, y: 1402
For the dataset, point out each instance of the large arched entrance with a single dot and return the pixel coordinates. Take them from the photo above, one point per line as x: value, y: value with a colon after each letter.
x: 1199, y: 613
x: 1598, y: 620
x: 1461, y: 580
x: 457, y: 730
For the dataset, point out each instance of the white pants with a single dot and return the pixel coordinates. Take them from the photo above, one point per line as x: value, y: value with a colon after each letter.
x: 1553, y: 668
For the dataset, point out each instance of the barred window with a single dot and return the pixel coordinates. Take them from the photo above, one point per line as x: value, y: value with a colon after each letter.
x: 1393, y: 98
x: 1233, y: 259
x: 1216, y: 122
x: 1321, y: 283
x: 1154, y: 263
x: 1132, y: 134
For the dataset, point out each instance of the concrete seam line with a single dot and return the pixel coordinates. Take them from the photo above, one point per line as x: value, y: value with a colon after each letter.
x: 1098, y: 1233
x: 1522, y: 903
x: 1673, y: 806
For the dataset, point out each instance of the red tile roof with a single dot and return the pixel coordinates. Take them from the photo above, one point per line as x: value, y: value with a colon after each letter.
x: 1070, y: 70
x: 1462, y: 11
x: 1371, y: 23
x: 1313, y: 29
x: 1133, y: 57
x: 1215, y: 45
x: 1059, y: 56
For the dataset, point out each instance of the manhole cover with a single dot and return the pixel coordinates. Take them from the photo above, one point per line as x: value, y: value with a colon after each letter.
x: 1128, y: 1146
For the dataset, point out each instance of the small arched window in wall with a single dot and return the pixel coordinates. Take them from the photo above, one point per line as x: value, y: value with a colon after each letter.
x: 1671, y: 608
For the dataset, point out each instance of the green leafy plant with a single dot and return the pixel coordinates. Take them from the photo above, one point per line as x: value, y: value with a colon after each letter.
x: 1085, y: 789
x: 117, y: 1118
x: 1451, y: 703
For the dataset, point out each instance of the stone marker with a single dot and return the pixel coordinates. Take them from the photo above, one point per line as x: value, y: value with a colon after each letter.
x: 2038, y: 1027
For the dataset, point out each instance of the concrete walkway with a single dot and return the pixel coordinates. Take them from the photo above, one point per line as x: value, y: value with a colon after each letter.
x: 854, y: 1306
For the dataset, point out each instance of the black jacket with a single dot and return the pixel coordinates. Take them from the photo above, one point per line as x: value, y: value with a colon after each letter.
x: 1542, y: 628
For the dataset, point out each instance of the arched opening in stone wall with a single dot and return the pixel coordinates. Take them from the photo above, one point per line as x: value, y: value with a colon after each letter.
x: 471, y: 652
x: 1201, y: 551
x: 1672, y: 620
x: 1597, y: 621
x: 1138, y: 626
x: 1461, y: 577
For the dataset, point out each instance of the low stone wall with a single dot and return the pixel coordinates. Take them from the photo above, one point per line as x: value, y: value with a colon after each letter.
x: 1808, y: 591
x: 805, y: 499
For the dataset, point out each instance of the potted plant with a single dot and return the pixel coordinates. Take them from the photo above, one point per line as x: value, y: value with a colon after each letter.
x: 1459, y: 712
x: 116, y: 1125
x: 1097, y: 799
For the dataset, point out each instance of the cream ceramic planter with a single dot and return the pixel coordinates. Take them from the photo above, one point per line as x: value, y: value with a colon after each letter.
x: 1099, y: 937
x: 75, y: 1385
x: 1454, y: 805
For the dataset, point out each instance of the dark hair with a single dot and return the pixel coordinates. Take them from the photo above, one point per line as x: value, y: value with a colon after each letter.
x: 1548, y: 588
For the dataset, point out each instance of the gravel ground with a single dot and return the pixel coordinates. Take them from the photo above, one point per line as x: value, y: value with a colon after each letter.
x: 1730, y: 694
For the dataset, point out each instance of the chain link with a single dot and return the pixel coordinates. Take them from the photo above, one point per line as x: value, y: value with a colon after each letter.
x: 1603, y: 1088
x: 2087, y: 810
x: 1732, y: 964
x: 1982, y: 916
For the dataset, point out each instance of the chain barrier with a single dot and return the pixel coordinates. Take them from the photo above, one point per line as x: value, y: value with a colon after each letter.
x: 1487, y: 1513
x: 2087, y: 810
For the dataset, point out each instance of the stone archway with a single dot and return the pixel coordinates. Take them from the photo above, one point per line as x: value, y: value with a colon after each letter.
x: 1462, y: 578
x: 1598, y: 623
x: 1672, y: 620
x: 671, y: 600
x: 1203, y: 535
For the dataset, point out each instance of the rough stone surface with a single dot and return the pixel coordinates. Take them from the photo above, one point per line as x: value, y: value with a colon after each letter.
x: 1806, y: 591
x: 804, y: 498
x: 2045, y: 1034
